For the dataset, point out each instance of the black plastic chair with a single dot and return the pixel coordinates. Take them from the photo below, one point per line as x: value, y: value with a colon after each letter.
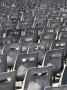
x: 4, y: 41
x: 55, y: 23
x: 40, y: 30
x: 25, y: 47
x: 13, y: 32
x: 15, y: 39
x: 38, y: 78
x: 63, y: 78
x: 29, y: 38
x: 32, y: 31
x: 63, y: 35
x: 23, y: 62
x: 7, y: 80
x: 47, y: 36
x: 51, y: 30
x: 55, y: 57
x: 60, y: 44
x: 12, y: 50
x: 40, y: 48
x: 3, y: 63
x: 39, y: 24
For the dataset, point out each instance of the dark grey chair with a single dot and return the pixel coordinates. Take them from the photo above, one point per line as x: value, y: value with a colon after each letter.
x: 60, y: 44
x: 12, y: 50
x: 63, y: 35
x: 3, y: 42
x: 32, y: 31
x: 55, y: 57
x: 29, y: 38
x: 3, y: 63
x: 13, y: 32
x: 47, y: 36
x: 23, y: 62
x: 25, y: 47
x: 7, y: 80
x: 38, y: 78
x: 63, y: 78
x: 40, y: 48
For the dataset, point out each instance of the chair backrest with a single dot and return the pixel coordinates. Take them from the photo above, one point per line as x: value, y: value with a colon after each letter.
x: 12, y: 50
x: 55, y: 57
x: 38, y: 78
x: 3, y: 63
x: 23, y: 62
x: 7, y: 80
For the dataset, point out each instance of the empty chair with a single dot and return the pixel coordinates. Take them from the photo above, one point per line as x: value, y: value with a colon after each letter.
x: 29, y: 38
x: 47, y: 36
x: 15, y: 39
x: 3, y: 42
x: 63, y: 29
x: 63, y: 35
x: 54, y: 23
x: 59, y: 2
x: 25, y: 47
x: 39, y: 24
x: 55, y: 57
x: 63, y: 78
x: 65, y: 21
x: 40, y: 48
x: 7, y: 80
x: 23, y: 62
x: 38, y: 78
x: 60, y: 44
x: 40, y: 30
x: 13, y: 32
x: 56, y: 88
x: 32, y: 31
x: 3, y: 63
x: 24, y: 25
x: 51, y: 30
x: 46, y: 2
x: 12, y: 50
x: 23, y: 32
x: 8, y: 26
